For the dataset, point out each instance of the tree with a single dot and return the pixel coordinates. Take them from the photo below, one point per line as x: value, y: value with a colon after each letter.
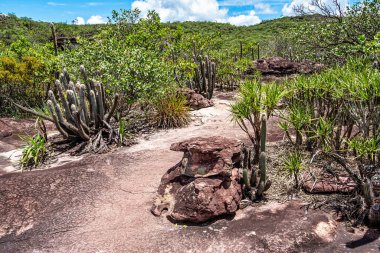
x: 337, y: 34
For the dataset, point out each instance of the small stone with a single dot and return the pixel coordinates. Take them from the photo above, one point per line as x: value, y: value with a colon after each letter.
x: 252, y: 233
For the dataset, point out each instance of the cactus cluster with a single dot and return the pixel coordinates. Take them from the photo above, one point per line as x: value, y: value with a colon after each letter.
x: 253, y: 178
x: 80, y: 112
x: 205, y: 76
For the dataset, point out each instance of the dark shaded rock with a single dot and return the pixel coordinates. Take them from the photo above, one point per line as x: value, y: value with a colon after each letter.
x: 5, y: 133
x: 329, y: 184
x: 194, y: 100
x: 278, y: 66
x: 204, y: 185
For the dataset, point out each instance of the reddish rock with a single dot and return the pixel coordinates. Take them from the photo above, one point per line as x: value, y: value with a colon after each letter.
x: 329, y: 184
x: 278, y: 66
x: 204, y: 185
x: 194, y: 100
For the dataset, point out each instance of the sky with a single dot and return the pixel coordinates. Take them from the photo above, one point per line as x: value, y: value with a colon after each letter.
x: 236, y: 12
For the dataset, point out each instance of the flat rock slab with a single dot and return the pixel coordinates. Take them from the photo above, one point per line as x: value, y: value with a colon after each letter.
x: 329, y: 184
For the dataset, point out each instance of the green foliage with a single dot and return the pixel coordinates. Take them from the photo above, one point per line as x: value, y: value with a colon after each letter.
x: 171, y: 111
x: 337, y: 37
x: 121, y: 130
x: 13, y: 28
x: 124, y: 58
x: 23, y: 80
x: 365, y: 147
x: 325, y: 107
x: 255, y: 98
x: 34, y: 152
x: 293, y: 165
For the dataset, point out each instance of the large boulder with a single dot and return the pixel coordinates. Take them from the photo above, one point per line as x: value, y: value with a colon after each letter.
x: 204, y: 184
x: 194, y: 100
x: 278, y: 66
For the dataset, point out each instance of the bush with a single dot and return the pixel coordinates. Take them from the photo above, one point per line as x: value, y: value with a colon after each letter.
x: 22, y: 80
x: 337, y: 112
x: 34, y: 152
x: 171, y: 111
x: 133, y: 72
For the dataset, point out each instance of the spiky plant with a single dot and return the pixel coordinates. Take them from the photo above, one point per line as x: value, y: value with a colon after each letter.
x: 171, y: 111
x: 293, y: 165
x: 34, y: 152
x: 81, y: 112
x: 254, y: 99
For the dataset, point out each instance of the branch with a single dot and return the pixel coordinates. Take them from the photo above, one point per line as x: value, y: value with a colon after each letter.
x: 342, y: 162
x: 33, y: 112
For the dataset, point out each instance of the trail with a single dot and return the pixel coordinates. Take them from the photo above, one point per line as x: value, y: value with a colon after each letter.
x: 101, y: 203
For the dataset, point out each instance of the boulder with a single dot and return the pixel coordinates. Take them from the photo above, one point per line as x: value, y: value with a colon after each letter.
x: 204, y: 184
x: 329, y: 184
x: 278, y: 66
x: 194, y: 100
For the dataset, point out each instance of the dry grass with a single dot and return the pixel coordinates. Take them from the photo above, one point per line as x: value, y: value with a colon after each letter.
x: 171, y: 111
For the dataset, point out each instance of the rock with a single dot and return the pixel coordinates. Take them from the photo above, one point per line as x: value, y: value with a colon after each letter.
x: 205, y: 184
x: 329, y: 184
x: 5, y: 133
x: 194, y: 100
x: 278, y: 66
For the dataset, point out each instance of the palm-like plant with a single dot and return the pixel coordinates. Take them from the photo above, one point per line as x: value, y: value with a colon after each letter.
x: 254, y: 99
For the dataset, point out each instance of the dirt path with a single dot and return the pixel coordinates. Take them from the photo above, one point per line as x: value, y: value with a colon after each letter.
x: 102, y: 204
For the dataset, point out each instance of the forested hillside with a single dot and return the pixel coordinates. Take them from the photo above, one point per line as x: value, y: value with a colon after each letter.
x: 228, y: 36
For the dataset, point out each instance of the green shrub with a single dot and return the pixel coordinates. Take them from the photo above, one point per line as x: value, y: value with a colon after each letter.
x: 171, y: 111
x: 34, y: 152
x: 293, y: 165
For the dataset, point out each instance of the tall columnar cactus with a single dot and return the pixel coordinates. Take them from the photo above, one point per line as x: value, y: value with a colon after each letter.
x: 258, y: 178
x: 205, y: 75
x: 80, y: 112
x: 264, y: 183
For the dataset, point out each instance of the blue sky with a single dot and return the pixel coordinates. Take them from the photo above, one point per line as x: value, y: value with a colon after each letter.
x: 238, y: 12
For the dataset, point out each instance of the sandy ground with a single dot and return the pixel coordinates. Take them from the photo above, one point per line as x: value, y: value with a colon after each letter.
x: 101, y: 203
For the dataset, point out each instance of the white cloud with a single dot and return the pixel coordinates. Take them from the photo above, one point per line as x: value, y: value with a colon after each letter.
x: 182, y: 10
x: 195, y: 10
x: 288, y: 9
x: 95, y: 4
x: 79, y: 21
x: 56, y: 4
x: 249, y: 19
x: 236, y: 3
x: 264, y: 8
x: 96, y: 19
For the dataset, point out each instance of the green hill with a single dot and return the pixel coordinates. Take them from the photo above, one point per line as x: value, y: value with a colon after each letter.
x: 12, y: 27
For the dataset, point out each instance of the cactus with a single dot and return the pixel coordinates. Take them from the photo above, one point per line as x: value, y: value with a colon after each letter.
x: 205, y: 75
x: 246, y: 168
x: 264, y: 183
x: 84, y: 116
x: 263, y: 133
x: 246, y: 178
x: 252, y: 178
